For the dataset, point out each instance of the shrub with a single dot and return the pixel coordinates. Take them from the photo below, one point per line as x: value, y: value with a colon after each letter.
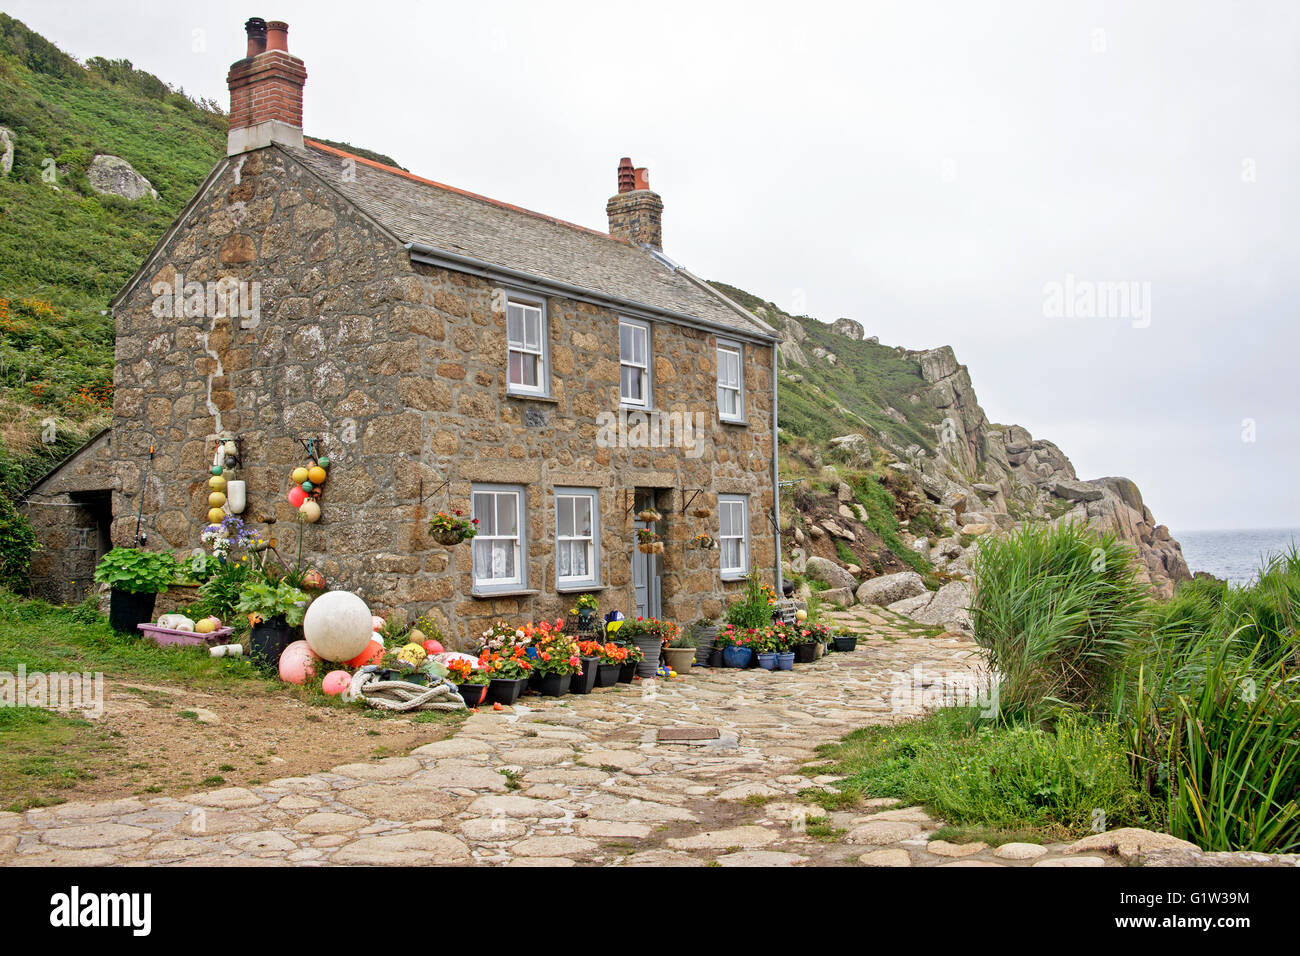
x: 17, y: 542
x: 1057, y: 609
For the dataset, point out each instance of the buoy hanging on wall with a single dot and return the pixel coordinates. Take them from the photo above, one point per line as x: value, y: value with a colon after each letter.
x: 236, y: 496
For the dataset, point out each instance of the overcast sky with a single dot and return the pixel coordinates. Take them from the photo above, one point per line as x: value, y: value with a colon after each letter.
x: 929, y: 169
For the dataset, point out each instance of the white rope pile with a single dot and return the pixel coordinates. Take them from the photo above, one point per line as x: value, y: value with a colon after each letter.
x: 402, y: 695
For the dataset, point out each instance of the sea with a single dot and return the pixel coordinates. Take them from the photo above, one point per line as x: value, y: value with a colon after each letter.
x: 1235, y: 555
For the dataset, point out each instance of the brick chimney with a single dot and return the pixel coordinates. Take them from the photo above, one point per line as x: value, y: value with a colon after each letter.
x: 636, y: 214
x: 265, y: 90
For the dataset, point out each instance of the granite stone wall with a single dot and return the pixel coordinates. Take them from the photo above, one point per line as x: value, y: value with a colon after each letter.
x: 399, y: 370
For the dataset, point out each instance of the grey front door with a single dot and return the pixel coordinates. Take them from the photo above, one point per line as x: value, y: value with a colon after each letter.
x: 646, y: 568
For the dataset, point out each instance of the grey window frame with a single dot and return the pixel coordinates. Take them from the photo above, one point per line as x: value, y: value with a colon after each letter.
x: 521, y: 558
x: 543, y: 389
x: 732, y: 574
x: 592, y: 580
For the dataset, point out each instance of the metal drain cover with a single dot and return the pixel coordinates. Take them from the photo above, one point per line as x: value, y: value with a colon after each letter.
x: 687, y: 733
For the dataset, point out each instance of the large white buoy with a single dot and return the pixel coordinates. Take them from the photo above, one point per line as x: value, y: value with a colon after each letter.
x: 337, y: 625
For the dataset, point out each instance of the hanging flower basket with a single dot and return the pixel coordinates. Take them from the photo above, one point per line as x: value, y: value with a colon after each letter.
x: 703, y: 542
x: 450, y: 530
x: 651, y: 547
x: 702, y: 512
x: 650, y: 516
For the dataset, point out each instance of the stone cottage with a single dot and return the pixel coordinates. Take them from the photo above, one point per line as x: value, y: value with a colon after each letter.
x: 447, y: 351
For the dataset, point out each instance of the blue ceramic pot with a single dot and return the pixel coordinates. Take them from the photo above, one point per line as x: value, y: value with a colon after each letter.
x: 785, y: 661
x: 736, y: 656
x: 767, y: 662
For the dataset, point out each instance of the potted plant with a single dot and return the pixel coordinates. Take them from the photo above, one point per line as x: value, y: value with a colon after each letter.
x: 650, y: 635
x: 135, y: 579
x: 649, y: 516
x: 736, y: 645
x: 632, y: 658
x: 471, y: 681
x: 648, y: 541
x: 585, y: 611
x: 784, y: 636
x: 703, y: 542
x: 275, y: 610
x: 612, y: 658
x: 679, y: 652
x: 584, y: 680
x: 450, y: 530
x: 765, y: 644
x: 554, y: 657
x: 508, y: 675
x: 706, y: 641
x: 845, y: 640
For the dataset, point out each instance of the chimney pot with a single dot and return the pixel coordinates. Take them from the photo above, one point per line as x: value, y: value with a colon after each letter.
x: 255, y: 27
x: 277, y: 35
x: 635, y: 213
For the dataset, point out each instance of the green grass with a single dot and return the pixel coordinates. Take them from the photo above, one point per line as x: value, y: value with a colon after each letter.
x: 42, y: 752
x: 47, y: 638
x: 1018, y: 780
x: 883, y: 520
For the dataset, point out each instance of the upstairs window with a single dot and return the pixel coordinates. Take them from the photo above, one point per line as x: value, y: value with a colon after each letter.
x: 733, y: 535
x: 526, y: 339
x: 499, y: 545
x: 731, y: 383
x: 575, y: 538
x: 634, y: 358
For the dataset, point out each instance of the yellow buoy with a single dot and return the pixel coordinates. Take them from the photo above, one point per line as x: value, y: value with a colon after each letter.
x: 316, y: 475
x: 299, y: 475
x: 217, y: 483
x: 216, y: 499
x: 215, y: 515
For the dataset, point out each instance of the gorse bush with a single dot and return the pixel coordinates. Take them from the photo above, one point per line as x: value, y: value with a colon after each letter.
x: 1058, y: 609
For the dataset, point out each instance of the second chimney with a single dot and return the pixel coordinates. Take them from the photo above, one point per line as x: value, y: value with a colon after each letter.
x: 265, y: 90
x: 635, y: 213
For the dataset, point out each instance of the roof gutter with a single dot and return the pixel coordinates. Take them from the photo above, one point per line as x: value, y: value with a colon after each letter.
x: 534, y: 283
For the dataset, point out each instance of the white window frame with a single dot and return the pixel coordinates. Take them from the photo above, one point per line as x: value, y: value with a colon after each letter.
x: 725, y: 502
x: 541, y: 353
x: 647, y: 378
x: 520, y: 580
x: 592, y: 578
x: 736, y: 349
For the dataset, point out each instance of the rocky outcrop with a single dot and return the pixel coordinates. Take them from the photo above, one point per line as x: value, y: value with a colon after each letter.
x: 6, y: 151
x: 113, y: 175
x: 852, y: 329
x: 890, y: 588
x: 827, y: 571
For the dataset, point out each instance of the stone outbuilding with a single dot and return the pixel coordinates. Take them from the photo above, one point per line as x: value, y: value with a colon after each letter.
x: 446, y: 351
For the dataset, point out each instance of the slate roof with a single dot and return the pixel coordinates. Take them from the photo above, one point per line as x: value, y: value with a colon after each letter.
x: 451, y: 220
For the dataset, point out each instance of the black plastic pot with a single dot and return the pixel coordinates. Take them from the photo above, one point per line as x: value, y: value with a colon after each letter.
x: 607, y: 675
x: 805, y: 653
x: 127, y: 609
x: 505, y: 690
x: 472, y: 694
x: 704, y: 654
x: 584, y: 682
x: 268, y: 640
x: 715, y: 659
x: 550, y: 685
x: 650, y: 646
x: 626, y: 672
x: 846, y: 643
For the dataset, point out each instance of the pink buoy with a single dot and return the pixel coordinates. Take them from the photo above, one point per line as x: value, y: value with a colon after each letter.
x: 336, y: 682
x: 297, y: 663
x: 297, y: 496
x: 376, y: 622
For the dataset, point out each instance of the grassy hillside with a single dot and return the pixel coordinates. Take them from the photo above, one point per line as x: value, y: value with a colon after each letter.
x: 64, y: 249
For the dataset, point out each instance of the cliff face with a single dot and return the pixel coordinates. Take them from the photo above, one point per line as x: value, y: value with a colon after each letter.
x: 989, y: 477
x: 863, y: 401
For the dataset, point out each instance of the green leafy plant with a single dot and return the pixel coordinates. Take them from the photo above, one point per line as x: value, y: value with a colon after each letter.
x: 17, y: 542
x: 137, y: 571
x: 269, y: 600
x: 754, y: 607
